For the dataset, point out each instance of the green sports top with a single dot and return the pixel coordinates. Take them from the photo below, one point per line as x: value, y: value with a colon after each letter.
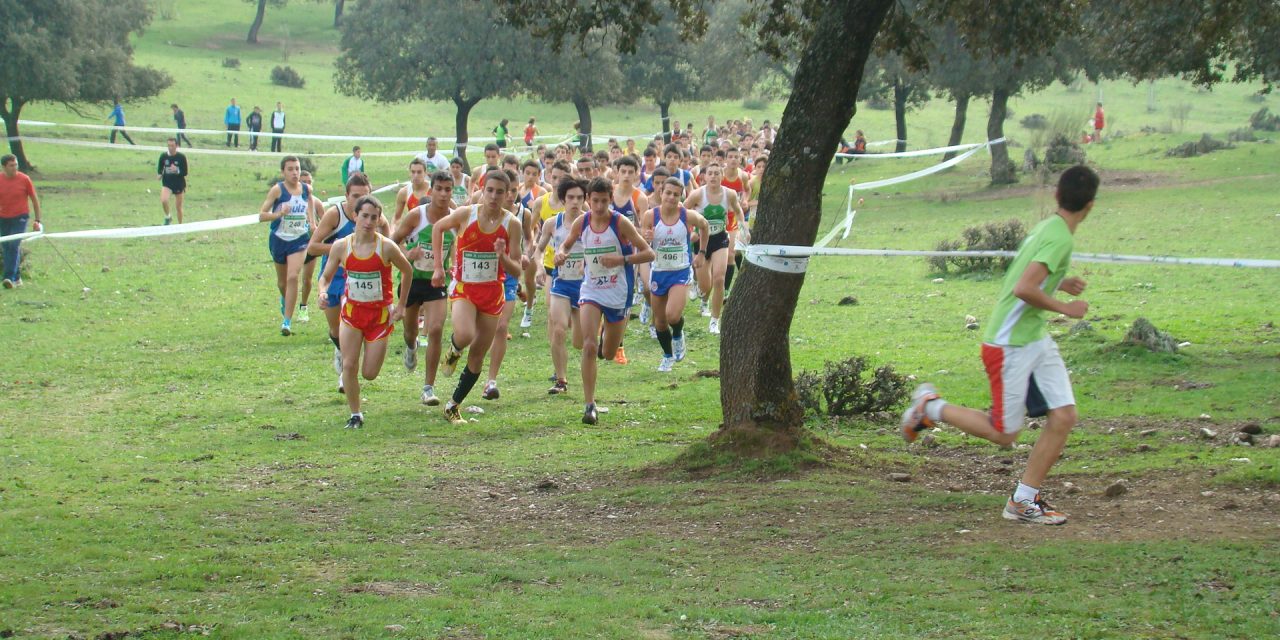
x: 1014, y: 323
x: 424, y: 267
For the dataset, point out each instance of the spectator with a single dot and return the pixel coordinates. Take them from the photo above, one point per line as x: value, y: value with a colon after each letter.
x: 180, y: 118
x: 255, y: 127
x: 354, y: 164
x: 860, y: 143
x: 1098, y: 121
x: 434, y: 160
x: 530, y: 131
x: 117, y: 114
x: 500, y: 132
x: 232, y: 120
x: 277, y: 127
x: 16, y: 190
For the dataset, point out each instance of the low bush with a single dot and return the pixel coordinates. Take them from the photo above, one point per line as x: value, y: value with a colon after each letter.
x: 845, y: 389
x: 287, y: 77
x: 993, y: 236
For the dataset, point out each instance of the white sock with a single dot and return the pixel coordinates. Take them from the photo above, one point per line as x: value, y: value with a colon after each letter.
x: 933, y: 409
x: 491, y: 383
x: 358, y: 414
x: 1025, y: 493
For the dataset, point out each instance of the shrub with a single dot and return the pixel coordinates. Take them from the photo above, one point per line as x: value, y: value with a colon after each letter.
x: 1243, y: 134
x: 1264, y: 120
x: 755, y: 103
x: 993, y: 236
x: 231, y: 63
x: 1206, y: 144
x: 1035, y: 121
x: 287, y: 77
x: 307, y: 164
x: 1145, y: 334
x: 1180, y: 112
x: 879, y: 103
x: 1063, y: 152
x: 845, y: 390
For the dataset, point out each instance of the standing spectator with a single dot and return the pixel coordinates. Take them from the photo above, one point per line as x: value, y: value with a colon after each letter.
x: 172, y: 171
x: 354, y: 164
x: 16, y: 191
x: 232, y: 120
x: 117, y: 114
x: 500, y: 132
x: 180, y: 118
x: 434, y: 160
x: 530, y: 131
x: 1098, y: 121
x: 255, y: 127
x: 860, y: 143
x: 277, y: 127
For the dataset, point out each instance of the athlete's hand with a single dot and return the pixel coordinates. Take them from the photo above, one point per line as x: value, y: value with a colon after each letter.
x: 500, y: 246
x: 1076, y: 309
x: 698, y: 260
x: 437, y: 277
x: 1073, y: 286
x: 612, y: 260
x: 324, y: 298
x: 560, y: 258
x: 397, y: 313
x: 647, y: 233
x: 415, y: 253
x: 524, y: 262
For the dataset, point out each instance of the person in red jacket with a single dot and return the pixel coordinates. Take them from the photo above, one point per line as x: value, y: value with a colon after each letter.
x: 1098, y: 121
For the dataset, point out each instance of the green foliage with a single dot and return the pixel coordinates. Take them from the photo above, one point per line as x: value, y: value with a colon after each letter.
x: 755, y: 103
x: 1035, y: 121
x: 1144, y: 334
x: 1264, y: 120
x: 231, y: 63
x: 286, y: 77
x: 992, y: 236
x: 1063, y: 152
x: 1206, y: 144
x: 842, y: 390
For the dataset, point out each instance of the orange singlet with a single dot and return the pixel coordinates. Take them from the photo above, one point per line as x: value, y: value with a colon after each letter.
x: 366, y: 303
x: 477, y: 272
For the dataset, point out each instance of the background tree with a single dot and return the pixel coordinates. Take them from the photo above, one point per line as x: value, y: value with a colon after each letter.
x: 72, y: 52
x: 260, y: 16
x: 590, y: 73
x: 889, y: 76
x: 384, y: 61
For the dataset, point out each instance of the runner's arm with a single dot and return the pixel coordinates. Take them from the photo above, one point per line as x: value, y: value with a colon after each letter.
x: 643, y: 253
x: 397, y: 258
x: 337, y: 252
x: 544, y: 238
x: 575, y: 232
x: 511, y: 257
x: 266, y: 213
x: 328, y: 222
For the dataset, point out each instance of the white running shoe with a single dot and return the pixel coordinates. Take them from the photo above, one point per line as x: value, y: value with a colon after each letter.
x: 337, y: 360
x: 677, y: 346
x: 527, y: 320
x: 705, y: 310
x: 644, y: 313
x: 714, y: 327
x: 429, y: 396
x: 341, y: 389
x: 914, y: 419
x: 653, y: 332
x: 1034, y: 511
x: 693, y: 293
x: 667, y: 363
x: 410, y: 357
x: 304, y: 315
x: 423, y: 341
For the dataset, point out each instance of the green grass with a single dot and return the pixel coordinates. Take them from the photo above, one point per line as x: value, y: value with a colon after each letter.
x: 143, y: 480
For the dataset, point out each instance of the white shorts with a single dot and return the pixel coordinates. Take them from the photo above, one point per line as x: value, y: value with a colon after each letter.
x: 1010, y: 371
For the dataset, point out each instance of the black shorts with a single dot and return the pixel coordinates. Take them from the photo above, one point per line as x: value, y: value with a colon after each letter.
x: 421, y: 291
x: 717, y: 242
x: 176, y: 186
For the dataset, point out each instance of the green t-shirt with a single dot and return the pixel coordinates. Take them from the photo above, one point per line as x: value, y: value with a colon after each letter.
x: 424, y: 267
x: 1015, y: 323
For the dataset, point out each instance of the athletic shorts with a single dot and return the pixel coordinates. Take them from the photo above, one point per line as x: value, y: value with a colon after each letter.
x: 282, y: 249
x: 611, y: 315
x: 1012, y: 371
x: 569, y: 289
x: 175, y: 185
x: 336, y: 288
x: 372, y: 322
x: 421, y: 291
x: 551, y: 271
x: 510, y: 287
x: 716, y: 242
x: 487, y: 297
x: 660, y: 282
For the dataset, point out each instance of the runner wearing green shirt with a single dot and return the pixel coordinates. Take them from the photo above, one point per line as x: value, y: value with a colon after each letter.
x: 1025, y: 370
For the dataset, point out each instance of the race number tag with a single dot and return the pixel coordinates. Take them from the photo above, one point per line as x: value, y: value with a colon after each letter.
x: 426, y: 262
x: 479, y: 266
x: 717, y: 226
x: 364, y: 286
x: 671, y: 258
x: 293, y: 225
x: 574, y: 267
x: 594, y: 266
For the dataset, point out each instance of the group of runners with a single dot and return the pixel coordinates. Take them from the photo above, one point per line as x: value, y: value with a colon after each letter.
x: 602, y: 237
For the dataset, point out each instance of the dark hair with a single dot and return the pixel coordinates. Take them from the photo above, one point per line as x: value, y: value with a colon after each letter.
x: 661, y: 172
x: 510, y: 158
x: 670, y: 148
x: 418, y: 161
x: 369, y: 199
x: 1077, y: 188
x: 500, y: 175
x: 530, y: 163
x: 512, y: 176
x: 173, y: 140
x: 565, y: 185
x: 355, y: 149
x: 562, y: 165
x: 441, y: 176
x: 287, y: 159
x: 626, y: 161
x: 705, y: 147
x: 7, y: 158
x: 671, y: 182
x: 602, y: 157
x: 599, y: 185
x: 492, y: 146
x: 649, y: 152
x: 357, y: 179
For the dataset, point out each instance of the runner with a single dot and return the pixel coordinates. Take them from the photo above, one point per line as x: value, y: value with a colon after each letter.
x: 461, y: 183
x: 309, y: 265
x: 721, y: 208
x: 492, y: 156
x: 530, y: 131
x: 611, y: 246
x: 432, y: 158
x: 669, y: 227
x: 369, y: 308
x: 510, y: 288
x: 289, y: 209
x: 336, y: 223
x: 562, y: 295
x: 671, y: 158
x: 545, y: 208
x: 1024, y: 368
x: 426, y: 299
x: 172, y: 171
x: 530, y: 190
x: 414, y: 193
x: 628, y: 201
x: 739, y: 182
x: 488, y: 246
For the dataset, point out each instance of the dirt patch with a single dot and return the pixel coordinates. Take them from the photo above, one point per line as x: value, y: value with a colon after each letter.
x: 393, y: 589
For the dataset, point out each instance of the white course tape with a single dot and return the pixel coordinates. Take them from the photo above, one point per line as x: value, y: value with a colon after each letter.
x: 919, y: 153
x: 93, y: 144
x: 771, y: 256
x: 941, y: 166
x: 245, y: 132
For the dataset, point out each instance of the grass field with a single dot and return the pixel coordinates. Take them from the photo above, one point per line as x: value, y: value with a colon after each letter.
x: 171, y: 464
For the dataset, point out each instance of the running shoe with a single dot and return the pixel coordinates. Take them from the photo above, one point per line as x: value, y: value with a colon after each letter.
x: 560, y: 386
x: 490, y: 390
x: 677, y: 346
x: 452, y: 414
x: 356, y: 422
x: 8, y: 284
x: 653, y: 332
x: 423, y: 341
x: 589, y: 416
x: 1035, y: 511
x: 337, y: 360
x: 713, y: 327
x: 914, y: 419
x: 167, y: 220
x: 304, y: 315
x: 644, y: 312
x: 429, y: 396
x: 705, y: 310
x: 451, y: 358
x: 693, y: 293
x: 667, y: 363
x: 341, y: 389
x: 527, y: 320
x: 410, y: 357
x: 286, y: 329
x: 621, y: 356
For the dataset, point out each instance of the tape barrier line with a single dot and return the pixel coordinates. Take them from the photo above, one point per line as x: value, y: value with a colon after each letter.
x: 927, y: 171
x: 919, y: 153
x: 244, y: 132
x: 93, y: 144
x: 784, y: 258
x: 160, y: 230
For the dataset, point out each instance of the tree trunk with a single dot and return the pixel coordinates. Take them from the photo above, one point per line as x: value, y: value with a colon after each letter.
x: 257, y: 22
x: 584, y: 120
x: 1002, y: 170
x: 337, y: 12
x: 957, y: 125
x: 900, y: 93
x: 664, y: 108
x: 757, y: 394
x: 10, y: 110
x: 460, y: 129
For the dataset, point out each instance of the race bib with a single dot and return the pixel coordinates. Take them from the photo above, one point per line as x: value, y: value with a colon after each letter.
x: 574, y: 267
x: 427, y: 261
x: 460, y: 195
x: 479, y: 266
x: 671, y: 258
x: 364, y: 286
x: 716, y: 226
x: 292, y: 225
x: 594, y: 266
